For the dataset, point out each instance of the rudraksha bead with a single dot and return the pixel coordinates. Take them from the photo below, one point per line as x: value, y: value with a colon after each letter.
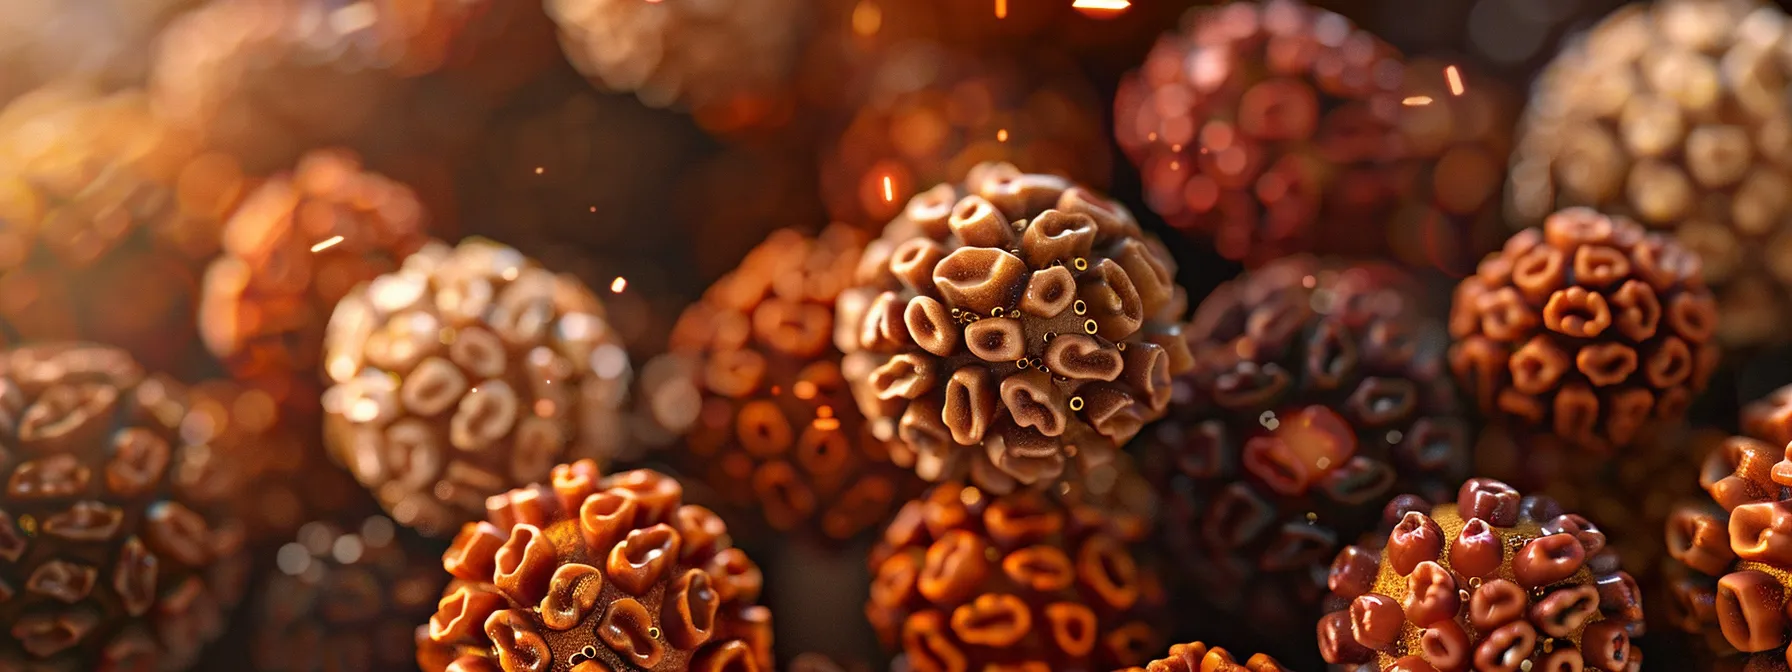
x: 1733, y: 544
x: 768, y: 416
x: 292, y: 250
x: 728, y: 63
x: 1674, y: 113
x: 1198, y: 657
x: 588, y: 574
x: 967, y: 580
x: 344, y: 600
x: 1632, y: 497
x: 1259, y: 120
x: 1318, y: 392
x: 109, y: 218
x: 1588, y: 328
x: 105, y: 563
x: 1492, y: 581
x: 468, y: 371
x: 940, y: 112
x: 1012, y: 328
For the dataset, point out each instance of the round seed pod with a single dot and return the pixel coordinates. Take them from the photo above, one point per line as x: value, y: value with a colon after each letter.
x: 1318, y: 392
x: 468, y: 371
x: 344, y: 600
x: 268, y: 79
x: 728, y: 63
x: 768, y: 415
x: 292, y: 250
x: 942, y: 112
x: 1730, y: 544
x: 1674, y: 113
x: 967, y: 580
x: 1493, y: 581
x: 107, y: 564
x: 1198, y: 657
x: 266, y: 463
x: 110, y: 216
x: 590, y: 574
x: 1011, y: 327
x: 1587, y: 328
x: 1258, y: 120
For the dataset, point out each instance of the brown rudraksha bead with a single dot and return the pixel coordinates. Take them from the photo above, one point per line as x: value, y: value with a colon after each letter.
x: 105, y: 563
x: 1259, y: 120
x: 1492, y: 581
x: 265, y: 462
x: 729, y: 64
x: 952, y: 111
x: 1632, y: 498
x: 1588, y: 328
x: 109, y: 216
x: 468, y: 371
x: 344, y: 600
x: 1674, y: 113
x: 591, y: 575
x: 1198, y: 657
x: 1318, y: 391
x: 968, y: 580
x: 292, y: 250
x: 1012, y: 327
x: 768, y: 416
x: 1733, y: 544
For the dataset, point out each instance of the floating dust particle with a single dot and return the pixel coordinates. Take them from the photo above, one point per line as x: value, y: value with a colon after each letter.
x: 1416, y: 101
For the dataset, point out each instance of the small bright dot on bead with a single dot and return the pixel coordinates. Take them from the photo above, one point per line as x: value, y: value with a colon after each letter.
x: 292, y: 559
x: 889, y: 190
x: 347, y: 549
x: 1416, y: 101
x: 619, y: 284
x: 1308, y: 282
x: 1394, y: 436
x: 539, y: 170
x: 1002, y: 135
x: 969, y: 496
x: 804, y: 389
x: 1455, y: 77
x: 1001, y: 9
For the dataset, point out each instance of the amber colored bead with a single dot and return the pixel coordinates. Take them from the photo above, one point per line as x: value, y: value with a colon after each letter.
x: 1015, y: 329
x: 1198, y: 657
x: 466, y: 372
x: 768, y: 416
x: 1669, y: 113
x: 295, y: 247
x: 108, y: 562
x: 1588, y: 328
x: 729, y: 65
x: 1318, y: 392
x: 345, y: 598
x: 110, y: 215
x: 964, y: 579
x: 1731, y: 549
x: 591, y: 572
x: 1549, y: 603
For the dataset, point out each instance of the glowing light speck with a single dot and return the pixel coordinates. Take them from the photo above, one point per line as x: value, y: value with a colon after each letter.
x: 539, y: 170
x: 326, y: 244
x: 1101, y: 8
x: 1416, y: 101
x: 1455, y: 77
x: 1002, y: 135
x: 1001, y: 9
x: 889, y: 190
x: 619, y: 284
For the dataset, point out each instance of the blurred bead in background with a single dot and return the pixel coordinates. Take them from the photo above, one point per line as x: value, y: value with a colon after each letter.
x: 1675, y: 114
